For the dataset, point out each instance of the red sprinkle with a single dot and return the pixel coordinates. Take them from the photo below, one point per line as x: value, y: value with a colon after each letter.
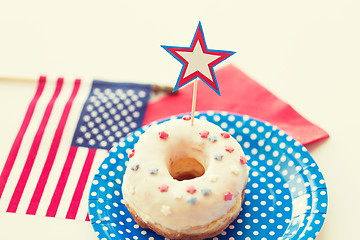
x: 132, y: 153
x: 163, y: 135
x: 164, y: 188
x: 229, y: 149
x: 187, y: 118
x: 225, y: 135
x: 204, y: 134
x: 243, y: 160
x: 228, y: 196
x: 191, y: 190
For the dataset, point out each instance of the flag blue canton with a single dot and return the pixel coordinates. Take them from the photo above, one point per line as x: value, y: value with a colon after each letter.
x: 111, y: 111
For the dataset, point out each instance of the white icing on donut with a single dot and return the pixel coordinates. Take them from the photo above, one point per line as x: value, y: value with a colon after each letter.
x: 159, y: 198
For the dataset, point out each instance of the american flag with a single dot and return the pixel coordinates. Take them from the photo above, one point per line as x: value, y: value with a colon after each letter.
x: 67, y: 130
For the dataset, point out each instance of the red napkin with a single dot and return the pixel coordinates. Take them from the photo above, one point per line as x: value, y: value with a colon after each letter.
x: 239, y: 94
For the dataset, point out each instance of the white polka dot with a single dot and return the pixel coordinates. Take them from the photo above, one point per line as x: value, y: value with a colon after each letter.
x: 253, y: 136
x: 231, y: 118
x: 276, y: 153
x: 246, y: 130
x: 224, y: 125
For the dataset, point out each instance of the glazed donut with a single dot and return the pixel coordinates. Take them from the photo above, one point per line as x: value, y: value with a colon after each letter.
x: 183, y: 181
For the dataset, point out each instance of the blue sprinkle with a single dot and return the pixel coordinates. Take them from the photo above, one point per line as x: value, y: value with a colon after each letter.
x: 206, y: 191
x: 218, y: 156
x: 153, y: 171
x: 212, y: 138
x: 192, y: 200
x: 135, y: 167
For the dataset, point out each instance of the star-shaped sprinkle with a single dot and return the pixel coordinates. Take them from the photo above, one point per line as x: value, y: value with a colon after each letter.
x: 135, y: 167
x: 228, y: 196
x: 153, y: 171
x: 212, y: 138
x: 205, y: 191
x: 213, y: 178
x: 192, y: 200
x: 204, y: 134
x: 132, y: 153
x: 234, y: 169
x: 163, y: 188
x: 178, y: 195
x: 218, y: 156
x: 163, y: 135
x: 191, y: 190
x: 243, y: 160
x: 166, y: 210
x: 198, y: 61
x: 229, y: 149
x: 187, y: 118
x: 132, y: 189
x: 225, y: 135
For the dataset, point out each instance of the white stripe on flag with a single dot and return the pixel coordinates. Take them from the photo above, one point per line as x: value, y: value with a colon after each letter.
x: 83, y: 208
x: 44, y: 147
x: 63, y: 148
x: 25, y: 148
x: 72, y: 182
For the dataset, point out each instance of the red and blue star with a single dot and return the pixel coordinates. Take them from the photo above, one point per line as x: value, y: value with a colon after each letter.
x: 198, y: 61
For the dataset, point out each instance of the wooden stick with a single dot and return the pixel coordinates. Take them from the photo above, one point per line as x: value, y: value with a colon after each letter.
x: 166, y: 89
x: 194, y: 101
x: 12, y: 79
x: 155, y: 88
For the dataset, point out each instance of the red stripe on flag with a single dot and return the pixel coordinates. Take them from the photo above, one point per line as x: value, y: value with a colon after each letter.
x: 76, y: 199
x: 60, y: 186
x: 19, y: 137
x: 87, y: 217
x: 39, y: 190
x: 15, y: 199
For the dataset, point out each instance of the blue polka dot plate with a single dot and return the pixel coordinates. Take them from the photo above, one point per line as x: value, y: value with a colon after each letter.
x: 286, y: 196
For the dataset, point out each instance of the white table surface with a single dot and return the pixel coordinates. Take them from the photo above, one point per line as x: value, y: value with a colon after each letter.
x: 306, y: 52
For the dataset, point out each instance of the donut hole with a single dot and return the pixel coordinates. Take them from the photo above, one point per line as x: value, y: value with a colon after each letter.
x: 186, y: 169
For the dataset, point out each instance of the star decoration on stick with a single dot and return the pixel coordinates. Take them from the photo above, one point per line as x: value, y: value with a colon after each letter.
x: 198, y: 61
